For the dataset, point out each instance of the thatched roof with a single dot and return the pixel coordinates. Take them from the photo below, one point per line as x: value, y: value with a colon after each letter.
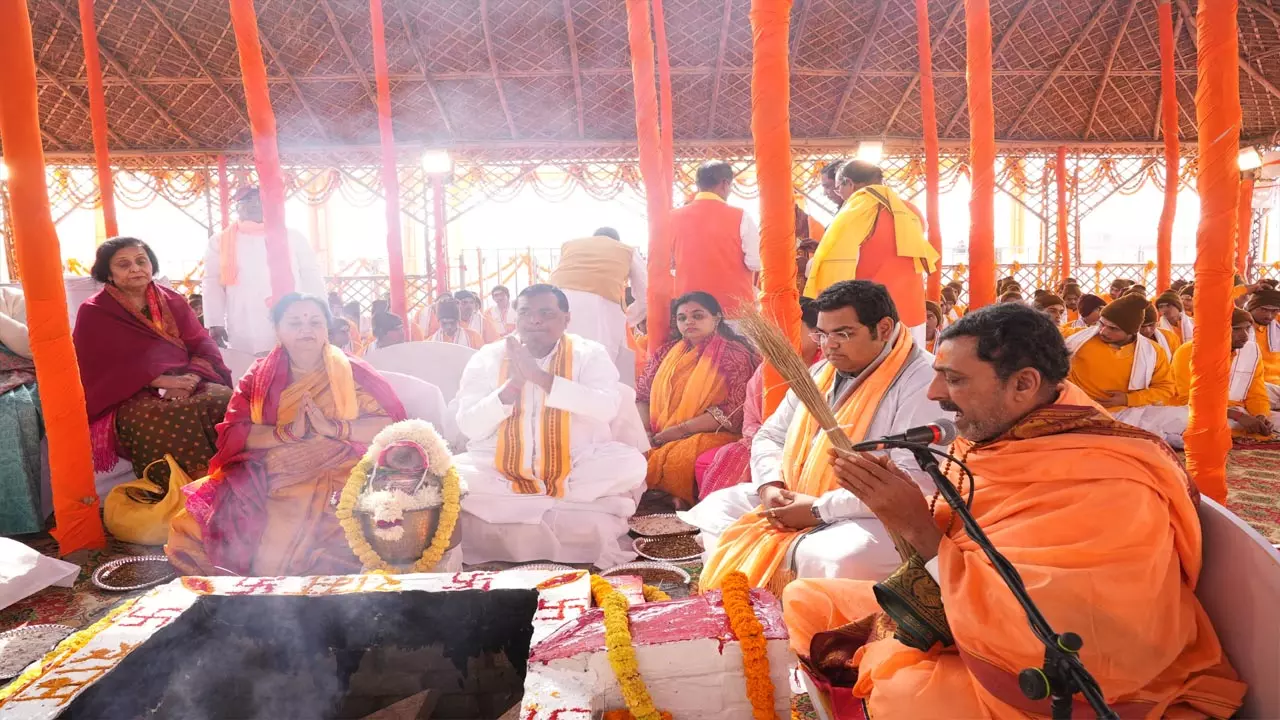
x: 524, y: 73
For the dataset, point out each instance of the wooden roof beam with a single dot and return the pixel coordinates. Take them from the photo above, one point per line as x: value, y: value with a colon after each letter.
x: 1053, y: 74
x: 572, y: 36
x: 1106, y: 69
x: 858, y: 62
x: 1245, y: 65
x: 802, y: 24
x: 915, y: 79
x: 1005, y: 37
x: 1262, y: 10
x: 493, y: 66
x: 719, y: 71
x: 51, y: 139
x: 124, y: 74
x: 75, y: 100
x: 204, y: 70
x: 346, y: 50
x: 422, y: 68
x: 270, y: 49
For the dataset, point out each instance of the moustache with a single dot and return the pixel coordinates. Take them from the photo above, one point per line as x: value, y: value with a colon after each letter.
x: 948, y: 406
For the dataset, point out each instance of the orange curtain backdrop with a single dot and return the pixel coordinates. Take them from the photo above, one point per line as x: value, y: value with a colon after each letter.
x: 1218, y: 120
x: 1064, y: 243
x: 390, y: 177
x: 266, y: 156
x: 1169, y: 127
x: 771, y: 131
x: 657, y: 187
x: 982, y: 155
x: 929, y: 117
x: 1244, y: 225
x: 98, y: 118
x: 224, y: 193
x: 75, y: 501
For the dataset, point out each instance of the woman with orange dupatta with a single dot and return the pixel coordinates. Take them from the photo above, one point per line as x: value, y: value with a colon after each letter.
x: 300, y: 420
x: 692, y: 393
x: 154, y: 381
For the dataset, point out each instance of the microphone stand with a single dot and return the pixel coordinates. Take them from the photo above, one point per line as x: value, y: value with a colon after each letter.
x: 1063, y: 674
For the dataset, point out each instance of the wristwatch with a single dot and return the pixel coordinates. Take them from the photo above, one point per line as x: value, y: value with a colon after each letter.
x: 813, y: 510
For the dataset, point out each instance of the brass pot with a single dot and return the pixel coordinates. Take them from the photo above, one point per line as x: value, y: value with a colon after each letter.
x: 419, y: 529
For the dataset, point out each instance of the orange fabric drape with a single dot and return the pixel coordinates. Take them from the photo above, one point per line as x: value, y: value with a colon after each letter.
x: 224, y: 193
x: 75, y: 501
x: 98, y: 118
x: 929, y: 118
x: 664, y: 97
x: 1169, y: 126
x: 657, y: 187
x: 771, y: 132
x: 1244, y: 226
x: 982, y: 155
x: 266, y: 155
x: 1218, y: 120
x: 1064, y: 243
x: 390, y: 177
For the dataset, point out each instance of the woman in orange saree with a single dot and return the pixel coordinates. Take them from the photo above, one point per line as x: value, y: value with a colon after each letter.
x: 298, y: 423
x: 692, y: 393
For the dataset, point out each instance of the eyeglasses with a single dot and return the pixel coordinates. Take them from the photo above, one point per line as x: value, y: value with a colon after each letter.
x: 840, y: 336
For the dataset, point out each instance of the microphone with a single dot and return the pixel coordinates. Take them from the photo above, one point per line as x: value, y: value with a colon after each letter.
x: 938, y: 432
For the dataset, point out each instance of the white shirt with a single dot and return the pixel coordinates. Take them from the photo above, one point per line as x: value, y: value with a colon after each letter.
x: 13, y: 322
x: 639, y: 279
x: 243, y: 309
x: 590, y: 396
x: 905, y: 405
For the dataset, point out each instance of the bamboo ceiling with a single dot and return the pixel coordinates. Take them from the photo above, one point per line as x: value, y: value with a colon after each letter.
x: 509, y: 75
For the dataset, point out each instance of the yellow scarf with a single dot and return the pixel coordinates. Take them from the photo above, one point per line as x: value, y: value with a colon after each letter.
x: 751, y: 544
x: 687, y: 383
x: 856, y: 220
x: 336, y: 372
x: 553, y: 429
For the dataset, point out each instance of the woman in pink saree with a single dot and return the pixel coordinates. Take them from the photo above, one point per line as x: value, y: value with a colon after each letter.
x: 154, y: 381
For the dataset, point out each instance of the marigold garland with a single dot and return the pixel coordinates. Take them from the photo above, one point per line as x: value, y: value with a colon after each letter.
x: 369, y: 558
x: 736, y: 596
x: 622, y: 655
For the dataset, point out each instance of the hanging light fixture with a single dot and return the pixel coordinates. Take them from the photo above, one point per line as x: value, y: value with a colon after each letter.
x: 1249, y: 159
x: 871, y: 151
x: 437, y: 162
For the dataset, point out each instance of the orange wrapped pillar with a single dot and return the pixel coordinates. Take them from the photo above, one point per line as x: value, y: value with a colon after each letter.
x: 1169, y: 127
x: 929, y: 118
x: 98, y: 118
x: 982, y: 155
x: 1064, y: 243
x: 664, y: 97
x: 224, y: 193
x: 390, y: 178
x: 657, y: 186
x: 1218, y: 119
x: 1244, y: 226
x: 266, y: 156
x: 771, y: 131
x: 75, y: 501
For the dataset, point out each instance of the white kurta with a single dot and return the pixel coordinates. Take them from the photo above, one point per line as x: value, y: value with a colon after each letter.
x: 852, y: 543
x: 588, y: 524
x: 598, y: 318
x: 244, y: 308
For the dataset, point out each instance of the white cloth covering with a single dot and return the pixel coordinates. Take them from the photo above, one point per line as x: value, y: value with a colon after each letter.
x: 25, y: 572
x: 588, y: 524
x: 852, y: 543
x: 244, y: 308
x: 1243, y: 366
x: 595, y: 318
x: 1186, y: 328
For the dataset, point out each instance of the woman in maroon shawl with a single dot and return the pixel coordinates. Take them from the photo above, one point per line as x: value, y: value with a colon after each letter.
x: 154, y: 381
x: 298, y: 423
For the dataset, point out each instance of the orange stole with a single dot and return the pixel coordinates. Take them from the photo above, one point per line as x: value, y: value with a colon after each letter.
x: 553, y: 429
x: 754, y: 547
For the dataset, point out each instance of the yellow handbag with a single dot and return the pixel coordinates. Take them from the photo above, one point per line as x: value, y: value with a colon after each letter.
x: 135, y: 511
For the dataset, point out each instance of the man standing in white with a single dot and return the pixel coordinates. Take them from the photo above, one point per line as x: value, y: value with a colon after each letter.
x: 237, y: 280
x: 546, y: 478
x: 593, y: 273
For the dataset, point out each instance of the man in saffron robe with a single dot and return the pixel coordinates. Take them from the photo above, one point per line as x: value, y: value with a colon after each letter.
x: 715, y: 247
x: 594, y: 273
x: 237, y: 279
x: 876, y: 236
x: 959, y: 638
x: 1264, y: 306
x: 1071, y: 295
x: 547, y: 480
x: 1118, y: 286
x: 1054, y: 307
x: 1124, y: 372
x: 793, y: 520
x: 1172, y: 317
x: 1090, y: 310
x: 1248, y: 407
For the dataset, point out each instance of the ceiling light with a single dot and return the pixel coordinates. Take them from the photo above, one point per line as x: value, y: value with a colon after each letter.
x: 437, y: 161
x: 871, y: 151
x: 1250, y: 158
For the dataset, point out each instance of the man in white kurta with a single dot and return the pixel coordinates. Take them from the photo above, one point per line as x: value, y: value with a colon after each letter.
x: 547, y: 479
x: 594, y: 273
x: 848, y: 541
x: 237, y: 290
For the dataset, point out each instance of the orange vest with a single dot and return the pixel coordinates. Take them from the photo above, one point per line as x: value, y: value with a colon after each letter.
x: 599, y: 265
x: 706, y: 247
